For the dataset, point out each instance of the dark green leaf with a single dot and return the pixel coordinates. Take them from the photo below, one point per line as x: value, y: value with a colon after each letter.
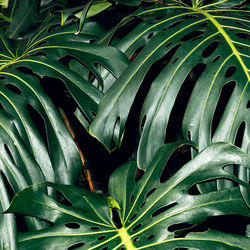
x: 148, y: 208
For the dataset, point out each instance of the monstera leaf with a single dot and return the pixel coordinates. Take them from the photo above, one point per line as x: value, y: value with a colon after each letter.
x: 55, y: 54
x: 35, y: 144
x: 142, y: 212
x: 201, y: 55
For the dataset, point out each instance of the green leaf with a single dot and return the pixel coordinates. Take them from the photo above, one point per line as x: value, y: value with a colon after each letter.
x: 192, y: 46
x: 149, y: 208
x: 22, y: 17
x: 7, y: 221
x: 4, y: 4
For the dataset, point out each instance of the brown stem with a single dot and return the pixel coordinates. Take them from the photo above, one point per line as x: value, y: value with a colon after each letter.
x: 86, y: 171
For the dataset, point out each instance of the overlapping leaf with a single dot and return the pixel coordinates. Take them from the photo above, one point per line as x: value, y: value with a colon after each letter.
x: 206, y: 47
x: 149, y: 209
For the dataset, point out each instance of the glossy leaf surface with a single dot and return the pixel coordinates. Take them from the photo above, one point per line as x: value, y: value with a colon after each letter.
x: 198, y: 52
x: 149, y: 209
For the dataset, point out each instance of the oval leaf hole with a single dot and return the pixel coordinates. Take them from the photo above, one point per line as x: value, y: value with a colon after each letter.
x: 174, y: 24
x: 136, y: 53
x: 13, y: 88
x: 230, y: 71
x: 150, y: 237
x: 72, y: 225
x: 132, y: 217
x: 136, y: 227
x: 101, y: 237
x: 150, y: 35
x: 215, y: 59
x: 210, y: 49
x: 143, y: 203
x: 80, y: 244
x: 136, y: 239
x: 191, y: 35
x: 139, y: 174
x: 150, y: 192
x: 243, y: 36
x: 163, y: 209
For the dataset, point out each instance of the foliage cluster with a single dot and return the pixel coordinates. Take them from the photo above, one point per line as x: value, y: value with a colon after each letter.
x: 159, y: 86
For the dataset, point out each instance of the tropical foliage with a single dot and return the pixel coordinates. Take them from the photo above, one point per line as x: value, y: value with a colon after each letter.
x: 176, y: 70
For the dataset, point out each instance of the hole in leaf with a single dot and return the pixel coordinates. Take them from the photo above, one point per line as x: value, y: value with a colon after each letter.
x: 248, y: 104
x: 204, y: 24
x: 136, y: 53
x: 132, y: 217
x: 72, y: 225
x: 139, y: 174
x: 95, y: 228
x: 210, y: 49
x: 2, y: 77
x: 159, y: 17
x: 131, y: 198
x: 239, y: 47
x: 105, y: 248
x: 39, y: 122
x: 215, y: 59
x: 174, y: 24
x: 230, y: 71
x: 190, y: 17
x: 52, y: 28
x: 116, y: 133
x: 143, y: 203
x: 239, y: 135
x: 136, y: 227
x: 189, y: 135
x: 80, y: 244
x: 143, y: 122
x: 163, y: 209
x: 13, y: 88
x: 101, y: 237
x: 191, y: 35
x: 150, y: 192
x: 169, y: 44
x: 226, y: 92
x: 8, y: 152
x: 232, y: 169
x: 175, y: 60
x: 150, y: 35
x: 136, y: 239
x: 6, y: 183
x: 39, y: 54
x: 1, y: 106
x: 243, y: 35
x: 25, y: 70
x: 116, y: 218
x: 178, y: 158
x: 150, y: 237
x: 174, y: 127
x: 194, y: 190
x: 92, y: 40
x: 198, y: 37
x: 180, y: 226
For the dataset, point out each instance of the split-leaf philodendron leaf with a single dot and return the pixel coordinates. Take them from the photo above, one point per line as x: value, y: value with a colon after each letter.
x: 200, y: 52
x: 151, y: 212
x: 35, y: 144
